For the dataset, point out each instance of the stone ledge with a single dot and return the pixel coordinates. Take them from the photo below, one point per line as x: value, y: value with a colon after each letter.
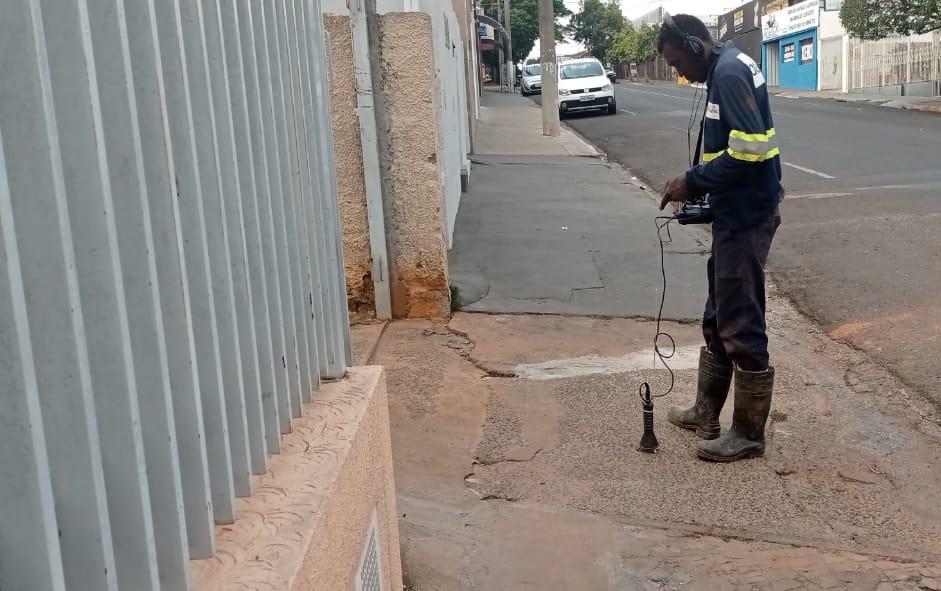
x: 305, y: 525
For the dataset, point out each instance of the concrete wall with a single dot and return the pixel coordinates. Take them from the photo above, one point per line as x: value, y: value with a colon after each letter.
x: 351, y: 187
x: 415, y: 216
x: 305, y: 528
x: 425, y: 89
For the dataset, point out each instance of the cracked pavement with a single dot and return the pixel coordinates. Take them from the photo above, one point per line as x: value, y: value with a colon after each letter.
x: 508, y: 483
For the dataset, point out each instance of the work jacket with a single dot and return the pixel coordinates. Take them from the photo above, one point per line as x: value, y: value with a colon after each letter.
x: 741, y: 167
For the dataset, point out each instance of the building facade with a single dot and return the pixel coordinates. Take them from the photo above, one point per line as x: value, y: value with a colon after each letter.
x: 790, y: 46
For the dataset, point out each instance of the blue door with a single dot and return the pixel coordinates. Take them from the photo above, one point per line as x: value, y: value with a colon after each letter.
x: 798, y: 60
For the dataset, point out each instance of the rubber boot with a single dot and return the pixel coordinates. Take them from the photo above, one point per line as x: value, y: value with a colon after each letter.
x: 715, y: 377
x: 746, y: 438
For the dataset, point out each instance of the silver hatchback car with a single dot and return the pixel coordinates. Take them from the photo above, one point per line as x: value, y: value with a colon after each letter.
x: 531, y: 81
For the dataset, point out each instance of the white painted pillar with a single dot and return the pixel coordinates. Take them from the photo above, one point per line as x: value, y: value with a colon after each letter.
x: 845, y: 74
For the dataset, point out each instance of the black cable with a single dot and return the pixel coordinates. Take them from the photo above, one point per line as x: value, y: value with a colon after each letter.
x: 697, y: 103
x: 662, y: 222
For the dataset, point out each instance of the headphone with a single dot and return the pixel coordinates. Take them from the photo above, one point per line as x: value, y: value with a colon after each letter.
x: 692, y: 43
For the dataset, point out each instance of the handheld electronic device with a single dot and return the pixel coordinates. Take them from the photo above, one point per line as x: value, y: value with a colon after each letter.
x: 694, y: 212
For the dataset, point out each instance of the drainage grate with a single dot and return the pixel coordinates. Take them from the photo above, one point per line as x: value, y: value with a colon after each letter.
x: 369, y: 568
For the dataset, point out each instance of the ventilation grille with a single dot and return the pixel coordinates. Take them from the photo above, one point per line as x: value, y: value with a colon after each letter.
x: 369, y: 571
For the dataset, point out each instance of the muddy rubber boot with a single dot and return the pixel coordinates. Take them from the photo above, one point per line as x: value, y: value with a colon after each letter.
x: 715, y: 376
x: 746, y: 438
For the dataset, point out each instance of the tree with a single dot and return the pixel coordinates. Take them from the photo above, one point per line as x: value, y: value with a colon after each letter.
x: 634, y: 45
x: 597, y: 24
x: 525, y: 23
x: 647, y: 42
x: 623, y: 46
x: 877, y: 19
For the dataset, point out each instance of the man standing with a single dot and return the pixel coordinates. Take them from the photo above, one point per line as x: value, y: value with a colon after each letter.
x: 741, y: 175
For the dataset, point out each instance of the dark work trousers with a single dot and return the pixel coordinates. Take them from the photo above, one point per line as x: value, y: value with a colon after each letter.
x: 734, y: 321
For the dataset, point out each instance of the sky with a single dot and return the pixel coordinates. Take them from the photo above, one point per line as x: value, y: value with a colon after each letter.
x: 635, y: 8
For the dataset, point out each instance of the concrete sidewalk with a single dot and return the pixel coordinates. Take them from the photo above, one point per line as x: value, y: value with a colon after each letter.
x: 515, y: 425
x: 512, y: 124
x: 910, y: 103
x: 539, y: 233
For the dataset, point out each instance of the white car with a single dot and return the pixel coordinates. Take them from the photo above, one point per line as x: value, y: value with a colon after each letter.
x: 531, y: 81
x: 583, y: 86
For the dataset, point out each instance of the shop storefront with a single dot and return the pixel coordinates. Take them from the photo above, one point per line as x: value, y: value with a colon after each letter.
x: 790, y: 47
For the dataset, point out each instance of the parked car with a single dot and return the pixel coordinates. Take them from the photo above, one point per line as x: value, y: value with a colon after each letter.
x: 584, y: 86
x: 531, y: 80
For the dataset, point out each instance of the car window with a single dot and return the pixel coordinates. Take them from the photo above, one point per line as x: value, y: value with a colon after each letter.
x: 582, y: 70
x: 534, y: 70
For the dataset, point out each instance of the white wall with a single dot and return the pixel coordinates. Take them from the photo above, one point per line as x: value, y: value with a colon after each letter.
x: 335, y: 7
x: 452, y: 105
x: 830, y: 25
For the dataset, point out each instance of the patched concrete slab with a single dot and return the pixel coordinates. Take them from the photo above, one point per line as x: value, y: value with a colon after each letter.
x: 513, y: 483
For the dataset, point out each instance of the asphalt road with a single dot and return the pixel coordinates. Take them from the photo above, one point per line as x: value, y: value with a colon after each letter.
x: 860, y: 248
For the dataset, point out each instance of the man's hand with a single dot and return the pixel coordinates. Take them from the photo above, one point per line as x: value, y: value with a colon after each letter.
x: 676, y: 191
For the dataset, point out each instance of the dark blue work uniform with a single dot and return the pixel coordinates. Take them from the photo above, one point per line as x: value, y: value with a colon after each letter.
x: 741, y: 174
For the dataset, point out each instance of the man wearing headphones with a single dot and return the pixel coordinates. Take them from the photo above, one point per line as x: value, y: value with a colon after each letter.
x: 740, y: 173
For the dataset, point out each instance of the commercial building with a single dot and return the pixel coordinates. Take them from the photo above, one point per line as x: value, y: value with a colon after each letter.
x: 789, y: 39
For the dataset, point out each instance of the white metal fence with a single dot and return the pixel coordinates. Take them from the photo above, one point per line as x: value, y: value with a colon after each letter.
x: 171, y: 282
x: 895, y: 61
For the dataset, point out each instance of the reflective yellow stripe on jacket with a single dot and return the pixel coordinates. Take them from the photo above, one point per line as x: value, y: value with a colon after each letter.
x: 753, y: 147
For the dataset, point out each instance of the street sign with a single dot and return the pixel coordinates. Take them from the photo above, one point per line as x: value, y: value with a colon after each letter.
x: 792, y: 19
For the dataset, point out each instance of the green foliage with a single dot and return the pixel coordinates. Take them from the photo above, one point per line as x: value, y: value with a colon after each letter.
x: 634, y: 45
x: 877, y: 19
x: 525, y: 23
x: 456, y: 302
x: 597, y: 25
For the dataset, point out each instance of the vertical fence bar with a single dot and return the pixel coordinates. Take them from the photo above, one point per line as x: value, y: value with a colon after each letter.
x: 86, y: 174
x: 253, y: 171
x: 281, y: 197
x: 323, y: 295
x: 219, y: 263
x: 312, y: 212
x: 260, y: 106
x: 339, y: 314
x: 174, y: 311
x: 235, y: 221
x: 108, y: 29
x: 275, y: 186
x: 39, y: 207
x: 29, y: 544
x: 293, y: 195
x: 302, y: 122
x: 176, y: 59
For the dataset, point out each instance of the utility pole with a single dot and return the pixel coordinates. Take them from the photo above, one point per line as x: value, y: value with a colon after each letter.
x: 510, y: 69
x: 550, y: 80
